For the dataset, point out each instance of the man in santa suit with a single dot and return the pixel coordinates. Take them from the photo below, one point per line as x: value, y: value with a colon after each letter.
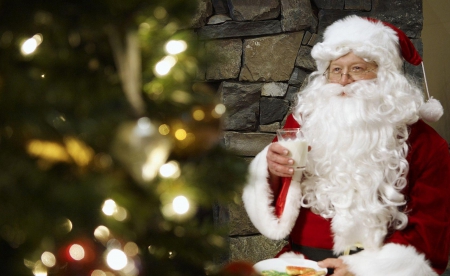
x: 374, y: 198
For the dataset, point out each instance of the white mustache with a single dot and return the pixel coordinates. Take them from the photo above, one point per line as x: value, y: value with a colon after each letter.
x: 358, y: 89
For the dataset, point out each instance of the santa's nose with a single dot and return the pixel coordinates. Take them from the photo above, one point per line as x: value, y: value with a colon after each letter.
x: 345, y: 79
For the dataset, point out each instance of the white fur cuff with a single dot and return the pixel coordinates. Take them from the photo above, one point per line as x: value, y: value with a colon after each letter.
x: 391, y: 260
x: 258, y: 198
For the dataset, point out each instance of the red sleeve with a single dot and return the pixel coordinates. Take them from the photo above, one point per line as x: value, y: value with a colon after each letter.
x: 280, y: 196
x: 428, y: 197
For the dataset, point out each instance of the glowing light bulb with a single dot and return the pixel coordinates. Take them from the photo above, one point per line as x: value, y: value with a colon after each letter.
x: 220, y: 109
x: 170, y: 170
x: 198, y: 115
x: 174, y: 47
x: 180, y: 205
x: 109, y: 207
x: 116, y: 259
x: 48, y: 259
x: 180, y: 134
x: 164, y: 66
x: 102, y: 233
x: 164, y: 129
x: 76, y: 251
x: 30, y: 45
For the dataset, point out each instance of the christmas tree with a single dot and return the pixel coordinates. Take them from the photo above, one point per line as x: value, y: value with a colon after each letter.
x: 110, y: 153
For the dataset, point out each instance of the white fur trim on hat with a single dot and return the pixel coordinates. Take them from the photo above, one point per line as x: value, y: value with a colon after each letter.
x: 391, y: 260
x: 366, y: 39
x: 258, y: 198
x: 431, y: 111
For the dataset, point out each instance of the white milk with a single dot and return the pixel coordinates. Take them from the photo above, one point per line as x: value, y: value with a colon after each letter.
x: 298, y: 150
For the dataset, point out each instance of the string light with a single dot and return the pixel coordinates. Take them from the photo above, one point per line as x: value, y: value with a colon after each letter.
x: 180, y: 205
x: 164, y: 66
x: 76, y: 252
x: 109, y: 207
x: 30, y: 45
x: 164, y: 129
x: 102, y: 233
x: 174, y: 47
x: 116, y: 259
x: 180, y: 134
x: 48, y: 259
x: 170, y: 170
x: 198, y: 115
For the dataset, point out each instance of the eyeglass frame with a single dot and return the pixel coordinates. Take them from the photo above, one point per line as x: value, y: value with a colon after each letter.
x: 326, y: 74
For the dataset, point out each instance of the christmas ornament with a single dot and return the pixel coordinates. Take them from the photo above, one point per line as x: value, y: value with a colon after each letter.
x: 141, y: 148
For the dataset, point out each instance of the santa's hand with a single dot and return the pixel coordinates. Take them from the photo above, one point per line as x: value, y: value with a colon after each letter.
x: 278, y: 161
x: 340, y: 268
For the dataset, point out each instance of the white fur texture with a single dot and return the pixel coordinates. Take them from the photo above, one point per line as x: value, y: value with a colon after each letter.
x: 258, y: 198
x: 374, y: 41
x: 390, y: 260
x: 432, y: 110
x: 291, y: 254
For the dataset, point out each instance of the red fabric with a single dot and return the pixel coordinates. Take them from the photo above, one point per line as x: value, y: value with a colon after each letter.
x: 428, y: 203
x: 408, y: 50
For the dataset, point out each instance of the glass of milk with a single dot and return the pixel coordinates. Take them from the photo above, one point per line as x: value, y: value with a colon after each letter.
x: 294, y: 141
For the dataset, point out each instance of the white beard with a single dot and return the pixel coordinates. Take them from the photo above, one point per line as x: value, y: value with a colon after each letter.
x: 356, y: 167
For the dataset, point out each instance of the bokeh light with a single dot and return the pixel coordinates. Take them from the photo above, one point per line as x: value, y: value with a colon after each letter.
x: 198, y: 114
x: 30, y: 45
x: 180, y: 205
x: 48, y: 259
x: 76, y: 252
x: 109, y: 207
x: 218, y: 110
x: 131, y: 249
x: 39, y: 269
x: 121, y: 214
x: 116, y: 259
x: 164, y: 66
x: 180, y: 134
x: 98, y: 272
x: 174, y: 47
x: 170, y: 170
x: 102, y: 233
x: 164, y: 129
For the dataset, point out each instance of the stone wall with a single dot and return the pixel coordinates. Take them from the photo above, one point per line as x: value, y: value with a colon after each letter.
x: 261, y: 51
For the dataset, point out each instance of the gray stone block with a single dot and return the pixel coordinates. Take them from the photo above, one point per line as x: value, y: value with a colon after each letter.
x: 304, y: 59
x: 298, y: 76
x: 329, y: 4
x: 252, y: 10
x: 240, y: 29
x: 272, y: 110
x: 297, y: 15
x: 204, y: 10
x: 270, y: 58
x: 220, y: 6
x: 270, y: 128
x: 362, y: 5
x: 247, y: 144
x: 225, y: 59
x: 242, y: 103
x: 274, y: 89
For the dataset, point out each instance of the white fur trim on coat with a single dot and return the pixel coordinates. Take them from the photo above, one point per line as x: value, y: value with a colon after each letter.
x: 258, y: 198
x: 391, y: 260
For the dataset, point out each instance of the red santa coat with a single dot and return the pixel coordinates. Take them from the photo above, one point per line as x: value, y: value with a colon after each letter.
x: 421, y: 248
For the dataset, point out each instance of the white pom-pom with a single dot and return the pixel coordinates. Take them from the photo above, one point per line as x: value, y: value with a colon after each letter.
x: 431, y: 111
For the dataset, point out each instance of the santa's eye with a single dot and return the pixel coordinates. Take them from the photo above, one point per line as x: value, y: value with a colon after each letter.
x: 336, y: 70
x: 358, y: 69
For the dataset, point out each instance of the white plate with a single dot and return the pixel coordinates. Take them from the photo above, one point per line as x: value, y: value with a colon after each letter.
x: 279, y: 264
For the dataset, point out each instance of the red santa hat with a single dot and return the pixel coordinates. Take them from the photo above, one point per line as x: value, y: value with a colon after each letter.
x: 375, y: 40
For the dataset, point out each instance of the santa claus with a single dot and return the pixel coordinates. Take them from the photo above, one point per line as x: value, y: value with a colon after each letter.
x: 374, y: 198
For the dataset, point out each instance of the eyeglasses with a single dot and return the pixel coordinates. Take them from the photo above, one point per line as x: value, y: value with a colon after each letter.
x: 356, y: 73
